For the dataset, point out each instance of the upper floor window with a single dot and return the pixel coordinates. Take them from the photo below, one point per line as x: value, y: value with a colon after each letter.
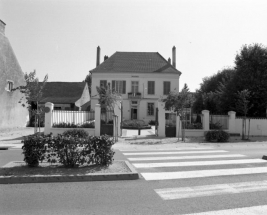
x: 103, y: 83
x: 134, y: 86
x: 119, y: 86
x: 151, y: 87
x: 9, y: 86
x: 166, y: 87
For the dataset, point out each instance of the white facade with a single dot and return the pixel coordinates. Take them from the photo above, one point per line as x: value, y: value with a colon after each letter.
x: 141, y: 104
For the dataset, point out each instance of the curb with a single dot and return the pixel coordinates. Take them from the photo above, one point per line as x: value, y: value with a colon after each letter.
x: 72, y: 178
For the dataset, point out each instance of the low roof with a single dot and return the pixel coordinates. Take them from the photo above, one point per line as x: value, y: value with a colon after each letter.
x: 62, y: 92
x: 136, y: 62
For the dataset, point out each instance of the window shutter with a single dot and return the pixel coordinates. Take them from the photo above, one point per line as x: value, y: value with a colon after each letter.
x: 166, y: 87
x: 151, y: 87
x: 124, y: 87
x: 113, y: 86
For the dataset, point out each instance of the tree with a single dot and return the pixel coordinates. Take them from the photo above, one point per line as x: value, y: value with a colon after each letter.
x: 88, y: 80
x: 33, y: 91
x: 178, y: 101
x: 107, y: 99
x: 242, y: 105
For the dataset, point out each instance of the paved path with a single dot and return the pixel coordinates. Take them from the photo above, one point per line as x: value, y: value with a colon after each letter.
x: 166, y: 167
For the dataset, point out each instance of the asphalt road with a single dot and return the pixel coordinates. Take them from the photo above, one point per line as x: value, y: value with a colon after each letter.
x: 140, y: 196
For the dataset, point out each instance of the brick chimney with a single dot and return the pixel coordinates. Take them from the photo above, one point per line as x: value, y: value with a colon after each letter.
x: 169, y: 60
x: 174, y: 56
x: 97, y: 56
x: 2, y: 27
x: 105, y: 57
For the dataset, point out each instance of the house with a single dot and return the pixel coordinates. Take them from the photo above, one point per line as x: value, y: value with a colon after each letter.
x: 66, y: 95
x: 140, y: 77
x: 12, y: 113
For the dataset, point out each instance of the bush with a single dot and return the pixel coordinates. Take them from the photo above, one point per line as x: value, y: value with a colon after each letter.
x: 193, y: 126
x: 217, y: 136
x: 76, y: 133
x: 72, y: 148
x: 34, y: 149
x: 215, y: 126
x: 88, y: 124
x: 152, y: 122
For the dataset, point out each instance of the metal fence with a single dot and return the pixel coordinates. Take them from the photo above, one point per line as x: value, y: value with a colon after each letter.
x: 219, y: 120
x: 75, y: 117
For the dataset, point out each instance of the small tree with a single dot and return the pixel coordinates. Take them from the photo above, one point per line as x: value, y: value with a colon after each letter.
x: 33, y: 91
x: 242, y: 106
x: 88, y: 80
x: 178, y: 101
x: 107, y: 99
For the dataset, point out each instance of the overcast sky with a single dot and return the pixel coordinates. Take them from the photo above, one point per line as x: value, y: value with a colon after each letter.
x: 60, y: 37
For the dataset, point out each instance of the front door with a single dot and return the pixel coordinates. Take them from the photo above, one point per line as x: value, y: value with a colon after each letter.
x: 134, y: 113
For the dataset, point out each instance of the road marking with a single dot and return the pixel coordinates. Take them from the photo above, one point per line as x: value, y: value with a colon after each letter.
x: 255, y: 210
x: 197, y: 163
x: 202, y: 173
x: 185, y: 157
x: 211, y: 190
x: 177, y: 149
x: 169, y: 153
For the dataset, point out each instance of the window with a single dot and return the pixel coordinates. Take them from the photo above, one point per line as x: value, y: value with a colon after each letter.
x: 166, y: 87
x: 9, y: 86
x: 119, y: 86
x: 151, y: 87
x: 150, y: 109
x: 134, y: 86
x: 103, y: 83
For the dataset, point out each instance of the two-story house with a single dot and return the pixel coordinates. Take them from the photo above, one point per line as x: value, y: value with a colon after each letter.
x: 140, y: 77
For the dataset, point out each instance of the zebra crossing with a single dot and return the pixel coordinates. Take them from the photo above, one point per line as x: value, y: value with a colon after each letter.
x: 170, y: 164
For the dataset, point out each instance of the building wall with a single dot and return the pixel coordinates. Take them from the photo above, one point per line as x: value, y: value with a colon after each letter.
x: 143, y: 89
x: 12, y: 114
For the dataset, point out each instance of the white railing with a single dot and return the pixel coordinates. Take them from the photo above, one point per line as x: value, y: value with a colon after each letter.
x: 75, y: 117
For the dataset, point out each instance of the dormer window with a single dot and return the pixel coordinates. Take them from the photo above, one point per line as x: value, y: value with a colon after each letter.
x: 9, y: 86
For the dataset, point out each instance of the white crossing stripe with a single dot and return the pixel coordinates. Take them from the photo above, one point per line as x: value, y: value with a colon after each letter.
x: 169, y: 153
x: 185, y: 157
x: 255, y: 210
x: 202, y: 173
x: 197, y: 163
x: 211, y: 190
x: 170, y: 149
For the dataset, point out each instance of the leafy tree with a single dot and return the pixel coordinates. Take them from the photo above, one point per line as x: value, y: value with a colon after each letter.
x: 243, y: 106
x: 88, y: 79
x: 32, y: 91
x: 107, y: 99
x: 178, y: 101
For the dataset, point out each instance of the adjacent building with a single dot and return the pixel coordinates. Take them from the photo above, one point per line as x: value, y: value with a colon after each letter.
x: 12, y: 113
x: 140, y: 77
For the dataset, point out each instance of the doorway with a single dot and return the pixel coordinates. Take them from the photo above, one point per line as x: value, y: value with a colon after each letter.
x: 134, y: 113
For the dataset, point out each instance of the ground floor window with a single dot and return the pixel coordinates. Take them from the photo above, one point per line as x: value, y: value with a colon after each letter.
x: 150, y: 109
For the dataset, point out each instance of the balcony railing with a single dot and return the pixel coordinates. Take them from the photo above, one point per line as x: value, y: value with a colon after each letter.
x: 134, y: 95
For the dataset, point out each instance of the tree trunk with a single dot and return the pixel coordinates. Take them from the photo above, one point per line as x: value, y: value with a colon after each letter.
x: 248, y: 127
x: 243, y: 137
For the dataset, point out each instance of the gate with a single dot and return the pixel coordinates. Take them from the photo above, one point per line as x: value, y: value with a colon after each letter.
x: 107, y: 122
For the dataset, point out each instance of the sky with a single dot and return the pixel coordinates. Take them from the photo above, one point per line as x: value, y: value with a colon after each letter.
x: 60, y: 37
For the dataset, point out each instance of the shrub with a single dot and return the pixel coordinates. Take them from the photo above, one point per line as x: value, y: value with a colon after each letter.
x: 217, y: 136
x: 193, y: 126
x: 34, y: 149
x: 87, y: 124
x: 152, y: 122
x: 76, y: 133
x: 215, y: 126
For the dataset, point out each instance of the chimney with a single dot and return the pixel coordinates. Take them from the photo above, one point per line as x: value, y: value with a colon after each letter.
x: 174, y: 56
x: 169, y: 60
x: 2, y: 27
x: 105, y: 57
x: 97, y: 56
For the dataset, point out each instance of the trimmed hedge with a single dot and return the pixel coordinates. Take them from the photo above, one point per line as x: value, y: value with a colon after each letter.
x: 72, y: 149
x: 217, y: 136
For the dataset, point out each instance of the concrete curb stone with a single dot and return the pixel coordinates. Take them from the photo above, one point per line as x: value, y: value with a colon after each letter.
x: 71, y: 178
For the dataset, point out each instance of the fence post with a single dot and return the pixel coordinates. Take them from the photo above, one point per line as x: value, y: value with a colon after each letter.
x: 161, y: 120
x: 178, y: 126
x: 49, y: 107
x: 97, y: 119
x: 206, y: 120
x: 231, y: 121
x: 117, y: 111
